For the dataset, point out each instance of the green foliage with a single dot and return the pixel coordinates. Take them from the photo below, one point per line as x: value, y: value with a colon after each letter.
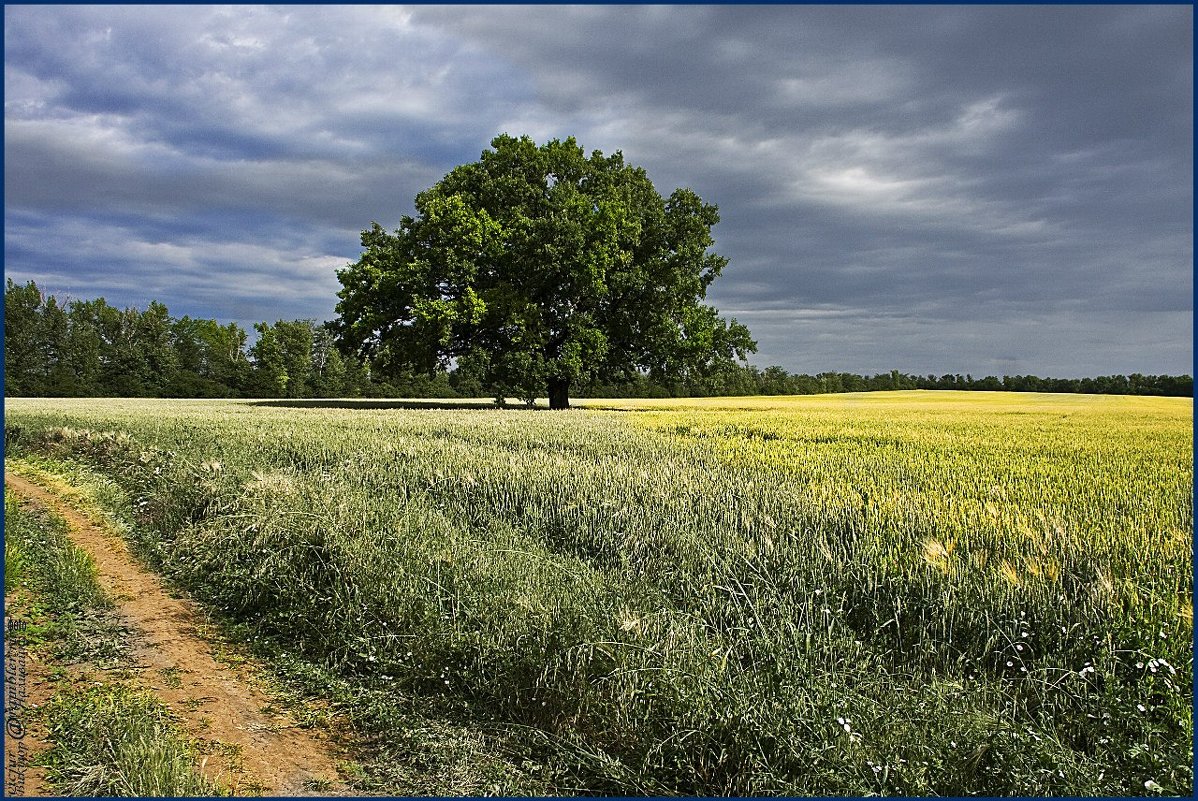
x: 211, y: 359
x: 271, y: 379
x: 544, y: 269
x: 911, y: 594
x: 47, y: 560
x: 14, y: 562
x: 89, y: 348
x: 23, y: 338
x: 119, y: 742
x: 734, y: 379
x: 60, y: 581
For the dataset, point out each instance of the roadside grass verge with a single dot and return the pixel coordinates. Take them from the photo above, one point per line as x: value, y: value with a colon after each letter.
x: 55, y: 585
x: 119, y: 741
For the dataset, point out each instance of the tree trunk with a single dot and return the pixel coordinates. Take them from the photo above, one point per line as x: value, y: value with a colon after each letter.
x: 559, y: 393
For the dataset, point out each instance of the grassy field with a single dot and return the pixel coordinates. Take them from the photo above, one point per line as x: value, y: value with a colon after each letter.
x: 901, y: 593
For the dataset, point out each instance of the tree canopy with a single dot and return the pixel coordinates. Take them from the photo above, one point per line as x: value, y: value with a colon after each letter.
x: 539, y: 268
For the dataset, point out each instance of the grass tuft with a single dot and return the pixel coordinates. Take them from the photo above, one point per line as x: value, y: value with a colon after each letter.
x: 117, y: 741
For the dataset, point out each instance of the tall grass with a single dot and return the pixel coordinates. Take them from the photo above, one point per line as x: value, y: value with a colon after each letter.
x: 899, y: 593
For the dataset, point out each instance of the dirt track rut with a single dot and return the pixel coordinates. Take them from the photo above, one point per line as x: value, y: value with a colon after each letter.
x: 216, y: 700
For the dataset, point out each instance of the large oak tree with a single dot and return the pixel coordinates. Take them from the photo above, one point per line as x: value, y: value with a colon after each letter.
x: 541, y: 269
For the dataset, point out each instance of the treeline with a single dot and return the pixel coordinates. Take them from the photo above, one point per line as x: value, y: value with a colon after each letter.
x: 90, y: 348
x: 750, y: 380
x: 87, y: 348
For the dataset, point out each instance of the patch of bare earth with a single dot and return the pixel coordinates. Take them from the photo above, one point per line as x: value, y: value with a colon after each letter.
x: 265, y: 751
x: 21, y: 777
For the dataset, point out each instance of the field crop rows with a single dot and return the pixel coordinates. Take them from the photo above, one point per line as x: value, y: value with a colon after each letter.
x: 907, y: 593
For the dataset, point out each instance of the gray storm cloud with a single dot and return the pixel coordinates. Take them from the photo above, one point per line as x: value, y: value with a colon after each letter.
x: 986, y: 189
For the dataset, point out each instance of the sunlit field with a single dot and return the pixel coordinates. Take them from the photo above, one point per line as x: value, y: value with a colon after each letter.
x: 901, y: 593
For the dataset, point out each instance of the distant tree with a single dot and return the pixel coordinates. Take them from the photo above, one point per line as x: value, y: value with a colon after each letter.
x: 830, y: 382
x: 88, y: 347
x: 210, y: 359
x: 270, y: 378
x: 469, y: 381
x: 127, y: 368
x: 25, y: 365
x: 84, y: 351
x: 1180, y: 385
x: 775, y: 380
x: 60, y: 379
x: 327, y: 372
x: 295, y: 339
x: 358, y: 378
x: 154, y: 344
x: 853, y: 383
x: 543, y: 269
x: 804, y: 384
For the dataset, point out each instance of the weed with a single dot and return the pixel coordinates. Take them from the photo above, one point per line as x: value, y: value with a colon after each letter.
x: 171, y: 676
x: 107, y: 739
x: 14, y: 563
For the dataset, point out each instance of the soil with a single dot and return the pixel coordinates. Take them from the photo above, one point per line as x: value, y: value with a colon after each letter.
x: 214, y: 699
x: 31, y: 732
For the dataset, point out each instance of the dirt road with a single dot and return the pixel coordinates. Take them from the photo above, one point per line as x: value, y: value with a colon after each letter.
x: 216, y: 700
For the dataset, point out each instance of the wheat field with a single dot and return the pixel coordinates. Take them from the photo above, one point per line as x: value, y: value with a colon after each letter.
x: 893, y: 592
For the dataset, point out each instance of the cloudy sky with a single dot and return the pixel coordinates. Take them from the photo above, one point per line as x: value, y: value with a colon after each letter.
x: 932, y: 189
